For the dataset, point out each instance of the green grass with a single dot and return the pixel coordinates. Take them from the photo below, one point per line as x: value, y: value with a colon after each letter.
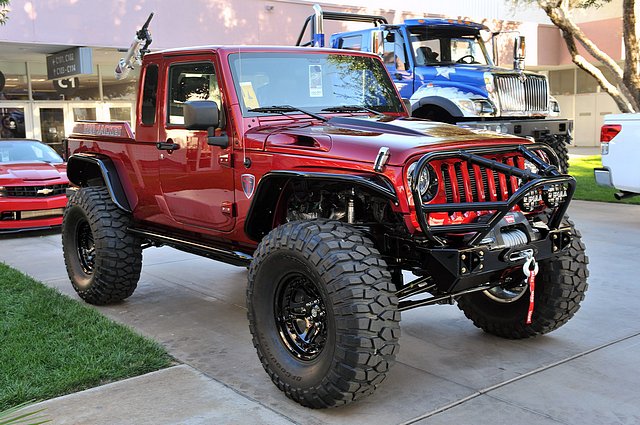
x: 51, y: 345
x: 581, y: 167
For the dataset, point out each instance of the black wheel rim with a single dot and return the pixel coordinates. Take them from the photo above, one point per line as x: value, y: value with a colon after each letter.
x: 301, y: 316
x: 86, y: 247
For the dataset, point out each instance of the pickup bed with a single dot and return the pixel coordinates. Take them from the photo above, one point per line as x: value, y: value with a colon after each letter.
x: 303, y: 165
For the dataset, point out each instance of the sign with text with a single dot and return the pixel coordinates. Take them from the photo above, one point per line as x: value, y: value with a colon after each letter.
x: 70, y: 62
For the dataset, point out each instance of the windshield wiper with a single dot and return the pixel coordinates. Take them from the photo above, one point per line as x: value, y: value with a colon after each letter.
x: 283, y: 109
x: 353, y: 108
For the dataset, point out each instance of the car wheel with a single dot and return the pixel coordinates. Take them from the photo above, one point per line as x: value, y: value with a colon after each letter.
x: 560, y: 288
x: 103, y: 259
x: 323, y: 312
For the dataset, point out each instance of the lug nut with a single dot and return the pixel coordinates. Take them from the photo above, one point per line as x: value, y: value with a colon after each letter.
x: 463, y: 257
x: 463, y: 270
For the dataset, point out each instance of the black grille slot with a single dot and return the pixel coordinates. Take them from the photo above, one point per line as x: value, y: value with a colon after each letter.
x: 460, y: 178
x: 446, y: 178
x: 474, y: 187
x: 36, y: 191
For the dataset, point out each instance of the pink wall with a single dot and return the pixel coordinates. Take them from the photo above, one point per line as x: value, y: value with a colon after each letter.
x: 112, y: 23
x: 606, y: 34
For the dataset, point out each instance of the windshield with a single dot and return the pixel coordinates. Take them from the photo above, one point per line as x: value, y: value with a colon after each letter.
x: 311, y: 81
x: 25, y: 151
x: 446, y: 47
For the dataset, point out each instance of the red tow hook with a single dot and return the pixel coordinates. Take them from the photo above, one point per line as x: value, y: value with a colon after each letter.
x: 530, y: 270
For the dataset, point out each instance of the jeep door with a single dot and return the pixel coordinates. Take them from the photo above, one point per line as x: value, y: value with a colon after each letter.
x: 196, y: 178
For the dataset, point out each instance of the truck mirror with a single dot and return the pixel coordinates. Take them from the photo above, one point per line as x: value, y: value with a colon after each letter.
x: 519, y: 48
x: 377, y: 43
x: 201, y: 114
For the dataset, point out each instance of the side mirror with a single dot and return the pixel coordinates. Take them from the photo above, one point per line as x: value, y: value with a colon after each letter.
x: 201, y: 114
x: 205, y: 115
x: 519, y: 48
x: 390, y: 37
x: 377, y: 43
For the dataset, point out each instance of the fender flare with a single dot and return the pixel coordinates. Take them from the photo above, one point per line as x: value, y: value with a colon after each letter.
x: 82, y: 167
x: 442, y: 102
x: 259, y: 220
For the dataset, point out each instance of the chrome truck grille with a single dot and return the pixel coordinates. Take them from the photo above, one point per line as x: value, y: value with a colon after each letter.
x: 522, y: 94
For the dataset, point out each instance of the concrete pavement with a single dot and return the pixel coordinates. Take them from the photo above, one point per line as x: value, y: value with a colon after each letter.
x: 447, y: 372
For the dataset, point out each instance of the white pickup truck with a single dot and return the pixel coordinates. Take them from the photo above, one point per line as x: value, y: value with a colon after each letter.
x: 620, y: 144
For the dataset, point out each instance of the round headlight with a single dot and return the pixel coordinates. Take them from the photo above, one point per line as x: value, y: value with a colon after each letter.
x: 427, y: 181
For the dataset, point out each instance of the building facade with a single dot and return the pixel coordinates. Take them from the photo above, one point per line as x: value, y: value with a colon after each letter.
x: 36, y: 104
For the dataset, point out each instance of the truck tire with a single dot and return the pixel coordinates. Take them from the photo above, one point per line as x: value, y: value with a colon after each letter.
x: 322, y: 312
x: 560, y: 287
x: 559, y: 144
x: 103, y: 260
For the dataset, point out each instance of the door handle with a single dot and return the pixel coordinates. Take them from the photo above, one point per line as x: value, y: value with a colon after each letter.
x: 167, y: 146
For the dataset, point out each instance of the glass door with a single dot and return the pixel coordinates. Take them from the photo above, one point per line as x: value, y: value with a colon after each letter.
x: 15, y: 120
x: 52, y: 123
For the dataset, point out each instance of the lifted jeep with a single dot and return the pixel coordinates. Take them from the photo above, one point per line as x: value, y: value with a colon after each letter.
x: 303, y: 165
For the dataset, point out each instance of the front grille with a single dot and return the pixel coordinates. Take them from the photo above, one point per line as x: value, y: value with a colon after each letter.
x: 522, y: 93
x: 466, y: 182
x: 35, y: 191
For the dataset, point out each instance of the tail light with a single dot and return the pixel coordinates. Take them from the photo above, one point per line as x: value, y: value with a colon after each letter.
x: 608, y: 132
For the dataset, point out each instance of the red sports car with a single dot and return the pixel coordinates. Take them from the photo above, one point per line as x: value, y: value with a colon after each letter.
x: 33, y: 181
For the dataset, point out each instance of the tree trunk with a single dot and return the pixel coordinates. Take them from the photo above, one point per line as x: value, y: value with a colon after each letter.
x: 628, y: 84
x: 582, y: 63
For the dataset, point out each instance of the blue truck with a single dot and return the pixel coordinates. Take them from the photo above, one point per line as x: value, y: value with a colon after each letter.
x: 444, y: 70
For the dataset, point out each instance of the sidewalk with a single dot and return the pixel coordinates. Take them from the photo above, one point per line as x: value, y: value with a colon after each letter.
x: 447, y: 371
x: 177, y: 395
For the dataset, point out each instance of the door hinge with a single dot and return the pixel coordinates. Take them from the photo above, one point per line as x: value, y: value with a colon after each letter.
x: 229, y: 209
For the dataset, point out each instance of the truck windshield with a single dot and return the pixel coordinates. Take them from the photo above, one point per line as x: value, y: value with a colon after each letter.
x: 436, y: 47
x: 311, y: 81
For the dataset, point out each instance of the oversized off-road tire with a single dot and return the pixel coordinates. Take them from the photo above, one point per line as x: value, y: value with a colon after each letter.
x: 103, y: 260
x: 559, y: 288
x: 560, y: 146
x: 323, y: 312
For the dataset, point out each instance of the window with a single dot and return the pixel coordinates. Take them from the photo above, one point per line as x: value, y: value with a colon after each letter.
x: 14, y: 76
x: 149, y: 95
x: 394, y: 53
x: 313, y: 81
x: 562, y: 82
x: 353, y: 42
x: 585, y: 83
x: 192, y: 81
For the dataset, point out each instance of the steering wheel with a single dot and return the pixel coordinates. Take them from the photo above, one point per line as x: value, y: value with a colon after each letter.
x: 470, y: 57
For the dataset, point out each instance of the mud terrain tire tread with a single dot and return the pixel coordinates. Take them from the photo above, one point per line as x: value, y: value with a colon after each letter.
x: 561, y: 148
x: 362, y: 301
x: 118, y: 253
x: 560, y: 287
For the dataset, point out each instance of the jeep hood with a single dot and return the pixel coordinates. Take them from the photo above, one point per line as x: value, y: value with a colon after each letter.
x: 360, y: 138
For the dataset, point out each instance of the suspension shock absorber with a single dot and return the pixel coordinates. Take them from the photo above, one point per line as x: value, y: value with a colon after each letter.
x: 351, y: 207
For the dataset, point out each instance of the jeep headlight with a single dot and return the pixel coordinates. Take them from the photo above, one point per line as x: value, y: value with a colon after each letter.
x: 427, y: 181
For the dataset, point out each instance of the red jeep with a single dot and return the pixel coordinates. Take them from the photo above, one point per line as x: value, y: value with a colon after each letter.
x: 303, y: 165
